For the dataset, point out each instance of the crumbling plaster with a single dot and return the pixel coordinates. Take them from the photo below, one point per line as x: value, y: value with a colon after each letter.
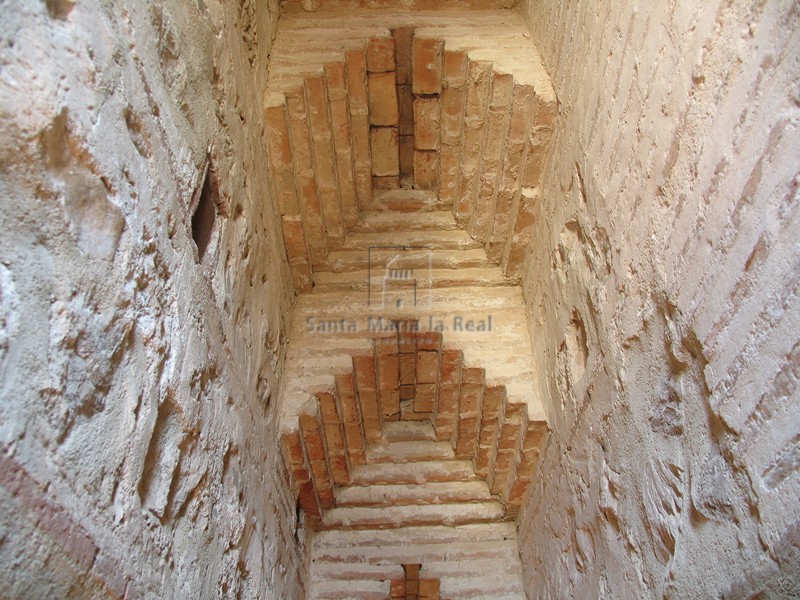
x: 662, y: 294
x: 137, y: 438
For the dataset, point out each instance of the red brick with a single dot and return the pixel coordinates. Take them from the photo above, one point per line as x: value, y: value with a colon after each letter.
x: 427, y: 366
x: 426, y: 123
x: 452, y: 361
x: 309, y: 501
x: 408, y: 369
x: 383, y: 107
x: 426, y: 397
x: 426, y: 169
x: 494, y: 397
x: 280, y: 154
x: 324, y: 162
x: 334, y: 438
x: 358, y: 101
x: 336, y: 78
x: 397, y: 590
x: 384, y: 144
x: 386, y: 346
x: 351, y: 419
x: 428, y: 589
x: 380, y: 55
x: 473, y: 376
x: 297, y: 252
x: 447, y: 411
x: 426, y: 55
x: 310, y: 206
x: 476, y: 106
x: 315, y: 451
x: 429, y: 340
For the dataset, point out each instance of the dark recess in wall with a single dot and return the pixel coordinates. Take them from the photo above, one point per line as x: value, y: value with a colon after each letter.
x: 205, y: 214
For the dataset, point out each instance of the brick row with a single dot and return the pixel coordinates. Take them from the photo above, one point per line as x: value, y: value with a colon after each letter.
x: 305, y: 182
x: 324, y: 162
x: 358, y: 103
x: 475, y: 109
x: 511, y: 175
x: 494, y: 399
x: 332, y: 425
x: 336, y: 81
x: 452, y: 124
x: 351, y: 419
x: 317, y: 456
x: 530, y: 450
x: 508, y: 439
x: 294, y: 457
x: 411, y: 376
x: 521, y: 231
x: 496, y: 127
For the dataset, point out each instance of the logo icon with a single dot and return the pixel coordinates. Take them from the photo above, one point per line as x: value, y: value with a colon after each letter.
x: 399, y: 276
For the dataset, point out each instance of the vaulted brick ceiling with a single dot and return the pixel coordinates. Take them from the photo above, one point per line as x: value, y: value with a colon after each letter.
x: 400, y: 144
x: 447, y: 121
x: 412, y: 436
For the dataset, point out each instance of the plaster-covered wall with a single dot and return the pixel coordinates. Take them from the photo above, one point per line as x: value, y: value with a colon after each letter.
x: 138, y: 455
x: 663, y: 291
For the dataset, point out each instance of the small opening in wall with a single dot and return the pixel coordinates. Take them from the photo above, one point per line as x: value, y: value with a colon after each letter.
x: 205, y: 214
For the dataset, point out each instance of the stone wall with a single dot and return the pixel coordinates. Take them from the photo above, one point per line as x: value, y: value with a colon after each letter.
x: 663, y: 294
x: 138, y: 455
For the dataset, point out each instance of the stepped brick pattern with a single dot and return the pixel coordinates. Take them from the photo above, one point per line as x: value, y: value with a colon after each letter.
x: 412, y: 436
x: 406, y: 153
x: 368, y: 116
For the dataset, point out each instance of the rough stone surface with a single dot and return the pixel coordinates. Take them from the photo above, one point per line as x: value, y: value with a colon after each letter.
x: 662, y: 290
x: 136, y: 458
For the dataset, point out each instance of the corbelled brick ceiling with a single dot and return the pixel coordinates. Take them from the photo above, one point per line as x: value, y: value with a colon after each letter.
x: 406, y: 152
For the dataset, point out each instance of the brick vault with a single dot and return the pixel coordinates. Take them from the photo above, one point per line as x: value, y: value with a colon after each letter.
x: 380, y: 299
x: 406, y: 153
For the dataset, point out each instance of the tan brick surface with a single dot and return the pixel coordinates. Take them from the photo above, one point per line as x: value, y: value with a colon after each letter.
x: 427, y: 65
x: 336, y: 80
x: 310, y: 206
x: 380, y: 55
x: 280, y: 153
x: 383, y: 106
x: 496, y: 127
x: 426, y: 169
x: 324, y: 161
x: 427, y: 119
x: 476, y: 106
x: 385, y: 147
x: 358, y: 102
